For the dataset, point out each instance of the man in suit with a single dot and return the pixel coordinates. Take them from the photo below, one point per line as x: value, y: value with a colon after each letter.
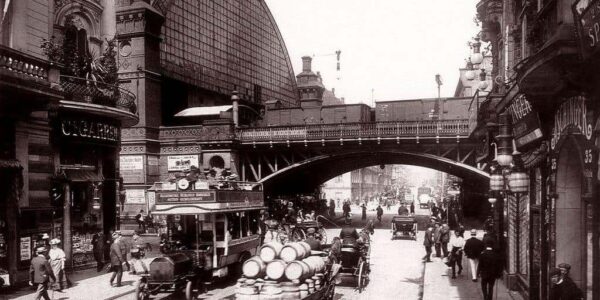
x: 473, y: 248
x: 489, y: 268
x: 116, y: 260
x: 428, y: 242
x: 40, y: 274
x: 445, y: 238
x: 349, y: 235
x: 437, y: 233
x: 563, y: 288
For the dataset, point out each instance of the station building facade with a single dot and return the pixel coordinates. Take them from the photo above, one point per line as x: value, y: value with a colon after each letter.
x: 546, y: 94
x: 184, y: 60
x: 60, y: 130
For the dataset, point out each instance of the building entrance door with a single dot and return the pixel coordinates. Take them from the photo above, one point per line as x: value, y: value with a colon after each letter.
x: 570, y: 214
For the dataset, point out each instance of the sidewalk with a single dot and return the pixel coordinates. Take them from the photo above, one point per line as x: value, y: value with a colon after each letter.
x: 87, y: 284
x: 438, y: 283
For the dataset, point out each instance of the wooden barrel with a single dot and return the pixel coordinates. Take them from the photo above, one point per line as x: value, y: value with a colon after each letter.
x: 276, y: 269
x: 254, y: 267
x: 270, y: 251
x: 311, y: 285
x: 306, y: 247
x: 270, y: 292
x: 293, y: 251
x: 246, y: 293
x: 315, y: 263
x: 303, y: 290
x: 290, y: 291
x: 297, y: 270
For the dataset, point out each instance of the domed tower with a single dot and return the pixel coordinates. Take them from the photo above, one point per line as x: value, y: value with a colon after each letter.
x: 310, y: 85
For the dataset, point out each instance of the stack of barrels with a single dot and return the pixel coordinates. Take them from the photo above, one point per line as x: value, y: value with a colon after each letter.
x: 281, y: 272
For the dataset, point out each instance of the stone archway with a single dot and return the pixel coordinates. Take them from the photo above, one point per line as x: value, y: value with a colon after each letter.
x: 570, y: 212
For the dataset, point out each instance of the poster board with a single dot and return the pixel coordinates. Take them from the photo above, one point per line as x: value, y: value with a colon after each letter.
x: 131, y: 168
x: 25, y: 248
x: 181, y: 162
x: 135, y: 196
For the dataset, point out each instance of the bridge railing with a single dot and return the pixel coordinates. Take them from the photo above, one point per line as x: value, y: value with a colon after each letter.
x: 436, y: 128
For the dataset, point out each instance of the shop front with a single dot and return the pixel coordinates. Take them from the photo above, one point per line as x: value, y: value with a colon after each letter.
x: 87, y: 179
x: 572, y: 187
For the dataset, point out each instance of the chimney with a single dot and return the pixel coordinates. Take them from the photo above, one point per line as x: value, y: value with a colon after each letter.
x: 333, y: 91
x: 306, y: 63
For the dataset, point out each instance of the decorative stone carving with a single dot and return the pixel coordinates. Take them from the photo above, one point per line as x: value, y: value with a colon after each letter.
x: 137, y: 149
x: 194, y: 149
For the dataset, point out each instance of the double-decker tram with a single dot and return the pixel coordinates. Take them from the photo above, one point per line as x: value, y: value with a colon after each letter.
x: 212, y: 229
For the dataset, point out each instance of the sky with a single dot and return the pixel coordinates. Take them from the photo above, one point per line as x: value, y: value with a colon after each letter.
x: 390, y: 49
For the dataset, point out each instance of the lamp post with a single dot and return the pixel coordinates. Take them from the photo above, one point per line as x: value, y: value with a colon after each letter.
x: 508, y: 174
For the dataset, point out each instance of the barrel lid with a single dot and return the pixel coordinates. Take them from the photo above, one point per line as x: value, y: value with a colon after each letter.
x: 250, y: 281
x: 246, y: 290
x: 271, y: 290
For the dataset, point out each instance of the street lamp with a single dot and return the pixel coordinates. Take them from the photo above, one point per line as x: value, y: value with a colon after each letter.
x: 508, y: 174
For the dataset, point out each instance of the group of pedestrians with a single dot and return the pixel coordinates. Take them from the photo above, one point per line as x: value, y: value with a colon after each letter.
x: 484, y: 261
x: 47, y: 270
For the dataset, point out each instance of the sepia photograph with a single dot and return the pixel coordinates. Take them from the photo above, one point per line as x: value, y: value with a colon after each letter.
x: 299, y: 149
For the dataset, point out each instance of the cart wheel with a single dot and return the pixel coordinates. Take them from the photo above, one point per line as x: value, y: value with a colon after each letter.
x: 362, y: 277
x: 323, y: 234
x: 189, y: 290
x: 141, y: 292
x: 298, y: 235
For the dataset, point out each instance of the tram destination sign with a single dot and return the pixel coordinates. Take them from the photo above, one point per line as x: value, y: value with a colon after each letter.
x: 191, y: 196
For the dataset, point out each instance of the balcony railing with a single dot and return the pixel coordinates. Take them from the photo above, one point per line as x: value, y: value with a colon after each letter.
x: 88, y: 91
x: 21, y: 64
x: 402, y: 129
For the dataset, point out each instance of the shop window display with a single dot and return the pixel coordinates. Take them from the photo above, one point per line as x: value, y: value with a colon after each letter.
x: 85, y: 222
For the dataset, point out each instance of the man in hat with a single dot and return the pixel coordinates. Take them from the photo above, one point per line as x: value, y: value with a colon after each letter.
x: 40, y: 274
x: 402, y: 210
x: 116, y: 259
x: 489, y: 268
x: 473, y: 248
x: 311, y: 240
x: 57, y: 262
x: 563, y: 288
x: 428, y: 242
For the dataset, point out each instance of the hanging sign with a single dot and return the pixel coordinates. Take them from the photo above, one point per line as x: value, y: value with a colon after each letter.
x: 526, y: 123
x: 572, y: 117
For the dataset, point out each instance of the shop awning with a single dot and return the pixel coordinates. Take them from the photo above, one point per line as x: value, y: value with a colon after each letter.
x: 83, y: 176
x: 203, y: 111
x: 197, y: 209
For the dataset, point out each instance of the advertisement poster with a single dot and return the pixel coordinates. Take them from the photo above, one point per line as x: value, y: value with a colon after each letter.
x: 135, y: 196
x: 132, y: 168
x: 181, y: 162
x: 25, y: 248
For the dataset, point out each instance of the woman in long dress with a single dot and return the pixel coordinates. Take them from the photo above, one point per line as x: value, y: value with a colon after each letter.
x: 57, y: 262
